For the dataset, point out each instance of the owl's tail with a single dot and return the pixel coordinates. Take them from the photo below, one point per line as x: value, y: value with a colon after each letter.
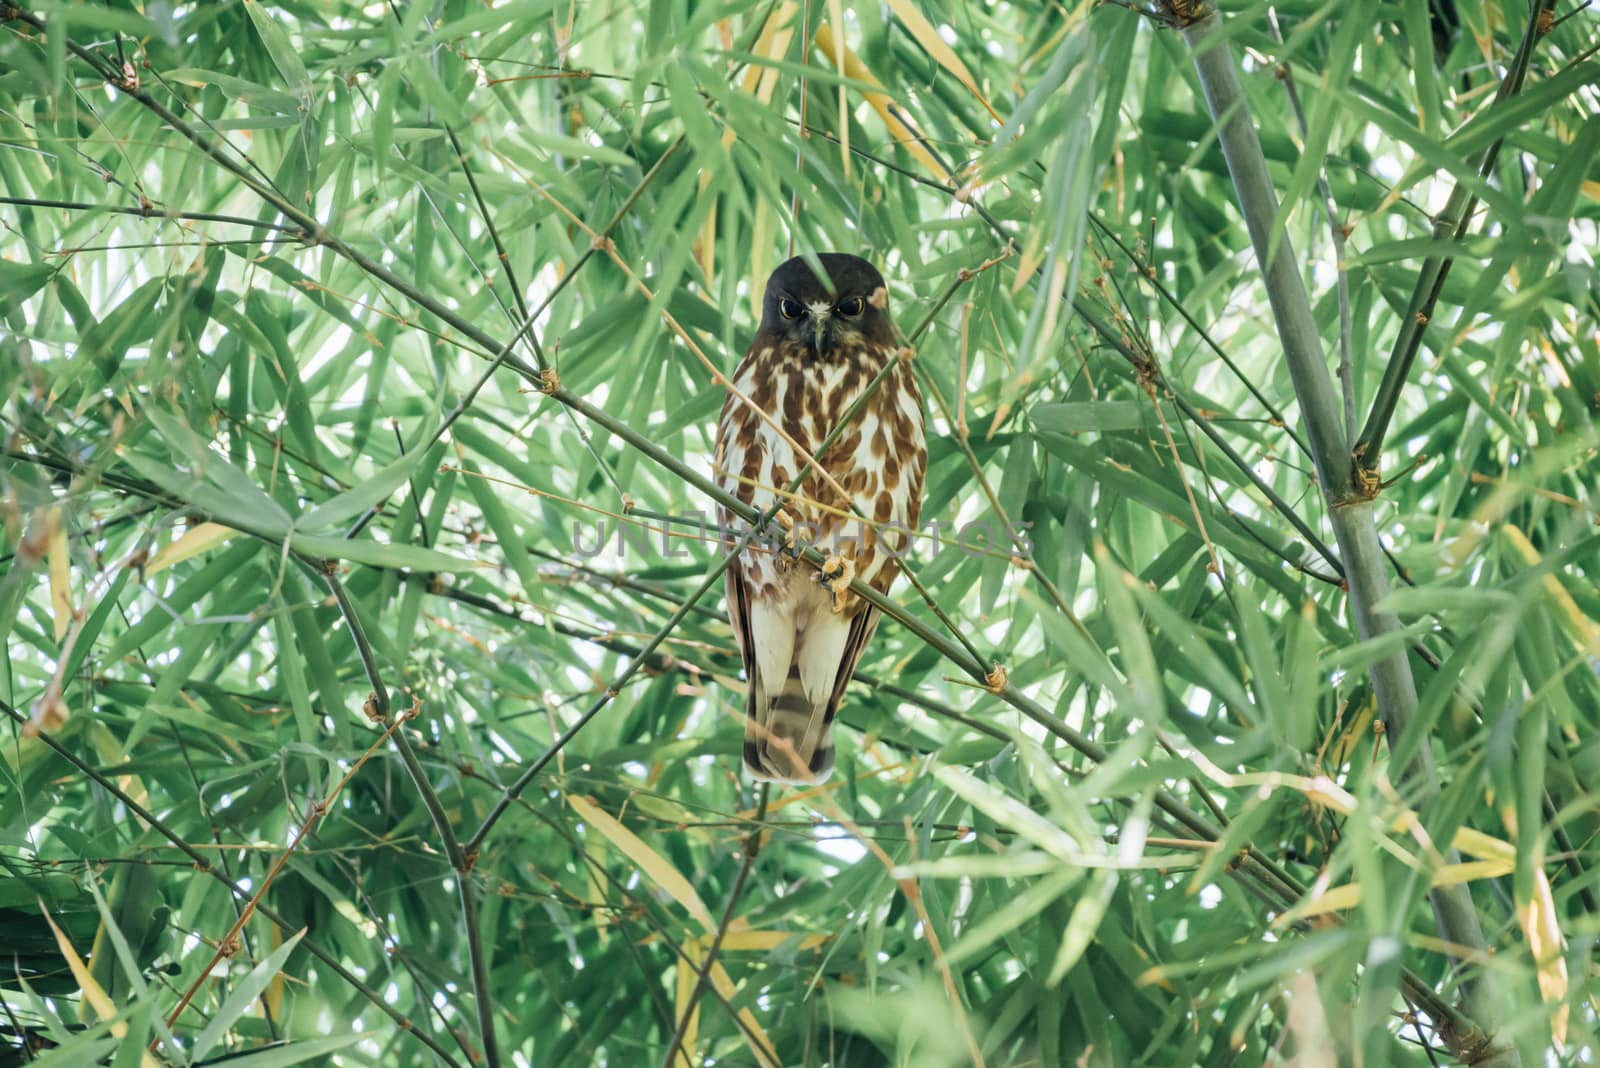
x: 787, y: 736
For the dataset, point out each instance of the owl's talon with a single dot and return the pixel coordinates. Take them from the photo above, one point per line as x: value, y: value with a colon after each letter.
x: 835, y: 576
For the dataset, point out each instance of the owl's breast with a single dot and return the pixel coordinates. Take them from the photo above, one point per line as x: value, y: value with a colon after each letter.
x: 863, y: 496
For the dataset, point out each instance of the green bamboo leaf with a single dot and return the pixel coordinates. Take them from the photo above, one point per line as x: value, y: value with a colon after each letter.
x: 209, y: 481
x: 243, y: 996
x: 1144, y: 691
x: 513, y: 543
x: 1020, y: 909
x: 240, y: 89
x: 1086, y: 916
x: 129, y: 324
x: 282, y: 50
x: 87, y: 1047
x: 291, y: 1053
x: 1075, y: 417
x: 1014, y: 865
x: 369, y: 493
x: 1310, y: 160
x: 1508, y: 115
x: 379, y: 554
x: 19, y: 281
x: 690, y: 109
x: 1008, y: 812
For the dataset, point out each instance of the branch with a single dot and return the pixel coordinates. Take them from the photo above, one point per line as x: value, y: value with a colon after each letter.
x: 148, y: 210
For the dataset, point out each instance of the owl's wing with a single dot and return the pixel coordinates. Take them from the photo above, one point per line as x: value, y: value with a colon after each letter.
x: 861, y: 631
x: 739, y: 615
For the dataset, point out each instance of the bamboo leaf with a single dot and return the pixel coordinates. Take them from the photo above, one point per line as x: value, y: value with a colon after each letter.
x: 198, y: 539
x: 646, y: 859
x: 244, y: 995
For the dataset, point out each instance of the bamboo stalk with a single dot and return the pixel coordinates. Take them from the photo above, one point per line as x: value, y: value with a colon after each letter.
x: 1349, y: 509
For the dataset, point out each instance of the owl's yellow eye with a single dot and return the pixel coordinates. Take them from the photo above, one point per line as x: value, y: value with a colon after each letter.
x: 789, y: 309
x: 852, y: 307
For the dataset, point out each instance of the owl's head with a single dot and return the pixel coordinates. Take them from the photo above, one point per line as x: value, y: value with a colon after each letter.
x: 846, y: 307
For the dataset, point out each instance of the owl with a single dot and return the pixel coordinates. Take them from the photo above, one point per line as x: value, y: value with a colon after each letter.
x: 823, y: 338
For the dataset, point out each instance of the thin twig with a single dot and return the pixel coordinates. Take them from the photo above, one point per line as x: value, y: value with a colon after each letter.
x: 227, y: 945
x: 752, y: 850
x: 1450, y: 224
x: 460, y: 861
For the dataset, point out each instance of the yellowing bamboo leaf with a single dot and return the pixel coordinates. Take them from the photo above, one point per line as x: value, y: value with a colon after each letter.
x: 758, y: 1040
x: 196, y: 540
x: 895, y: 117
x: 111, y: 751
x: 60, y: 574
x: 836, y: 16
x: 765, y: 941
x: 97, y: 998
x: 1336, y: 899
x: 1359, y: 729
x: 695, y: 950
x: 1477, y: 844
x: 773, y: 43
x: 672, y: 881
x: 1030, y: 259
x: 935, y: 46
x: 1313, y: 1038
x: 1583, y: 630
x: 274, y: 995
x: 1346, y: 897
x: 761, y: 941
x: 647, y: 860
x: 104, y: 1008
x: 760, y: 81
x: 688, y: 975
x: 667, y: 877
x: 1468, y: 870
x: 1541, y: 925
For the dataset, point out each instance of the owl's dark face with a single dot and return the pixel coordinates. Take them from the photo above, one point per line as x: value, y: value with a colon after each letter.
x: 830, y: 316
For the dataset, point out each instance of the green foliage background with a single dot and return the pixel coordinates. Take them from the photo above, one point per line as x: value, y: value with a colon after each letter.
x: 1143, y: 850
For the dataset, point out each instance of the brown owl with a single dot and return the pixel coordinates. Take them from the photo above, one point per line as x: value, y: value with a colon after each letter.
x: 823, y: 339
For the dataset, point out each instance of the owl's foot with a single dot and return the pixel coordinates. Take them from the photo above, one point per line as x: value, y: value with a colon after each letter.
x: 835, y: 576
x: 786, y: 555
x: 799, y: 538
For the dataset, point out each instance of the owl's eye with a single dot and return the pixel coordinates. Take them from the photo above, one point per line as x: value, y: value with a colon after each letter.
x: 789, y: 309
x: 852, y: 307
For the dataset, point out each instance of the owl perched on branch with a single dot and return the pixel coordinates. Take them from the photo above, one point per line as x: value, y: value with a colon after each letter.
x: 824, y: 338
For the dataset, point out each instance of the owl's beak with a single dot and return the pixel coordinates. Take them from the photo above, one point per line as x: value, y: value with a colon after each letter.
x: 819, y: 331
